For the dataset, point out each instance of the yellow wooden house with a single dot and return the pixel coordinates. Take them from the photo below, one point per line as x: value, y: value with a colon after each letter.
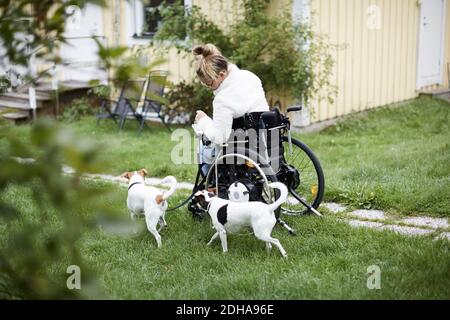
x: 390, y: 50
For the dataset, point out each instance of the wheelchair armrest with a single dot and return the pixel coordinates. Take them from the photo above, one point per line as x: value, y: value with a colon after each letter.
x: 293, y: 109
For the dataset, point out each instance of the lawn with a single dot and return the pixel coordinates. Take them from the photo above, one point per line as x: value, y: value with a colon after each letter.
x: 327, y: 260
x: 393, y: 158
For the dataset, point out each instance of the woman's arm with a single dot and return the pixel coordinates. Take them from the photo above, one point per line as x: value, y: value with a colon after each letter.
x: 217, y: 129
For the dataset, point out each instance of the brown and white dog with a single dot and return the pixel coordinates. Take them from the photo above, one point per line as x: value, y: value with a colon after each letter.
x: 148, y: 201
x: 228, y: 216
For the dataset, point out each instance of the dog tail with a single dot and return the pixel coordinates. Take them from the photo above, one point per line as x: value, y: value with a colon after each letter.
x: 283, y: 196
x: 173, y: 186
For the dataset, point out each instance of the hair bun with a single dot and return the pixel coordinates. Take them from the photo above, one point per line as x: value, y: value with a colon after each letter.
x: 206, y: 50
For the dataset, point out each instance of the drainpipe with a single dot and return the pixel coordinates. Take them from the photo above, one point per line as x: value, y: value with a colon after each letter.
x: 55, y: 89
x: 32, y: 70
x: 116, y: 23
x: 301, y: 12
x: 32, y: 100
x: 448, y: 74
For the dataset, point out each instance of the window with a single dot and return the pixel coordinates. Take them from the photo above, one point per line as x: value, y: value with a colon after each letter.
x: 152, y: 17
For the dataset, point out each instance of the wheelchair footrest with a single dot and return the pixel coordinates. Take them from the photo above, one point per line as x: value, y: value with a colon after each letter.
x: 287, y: 227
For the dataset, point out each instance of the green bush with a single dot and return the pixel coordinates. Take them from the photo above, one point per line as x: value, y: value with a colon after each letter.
x: 100, y: 90
x: 76, y: 110
x: 291, y: 59
x: 187, y: 97
x: 4, y: 84
x: 35, y: 251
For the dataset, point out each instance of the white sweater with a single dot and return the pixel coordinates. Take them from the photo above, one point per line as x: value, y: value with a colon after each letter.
x: 241, y: 92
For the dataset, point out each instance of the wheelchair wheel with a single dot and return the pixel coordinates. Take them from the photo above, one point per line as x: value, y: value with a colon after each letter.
x: 248, y: 175
x: 308, y: 182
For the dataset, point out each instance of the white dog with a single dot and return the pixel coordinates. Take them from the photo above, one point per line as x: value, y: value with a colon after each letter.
x: 229, y: 216
x: 149, y: 201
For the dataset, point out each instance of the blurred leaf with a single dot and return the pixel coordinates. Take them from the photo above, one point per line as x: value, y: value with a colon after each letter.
x: 36, y: 243
x: 8, y: 212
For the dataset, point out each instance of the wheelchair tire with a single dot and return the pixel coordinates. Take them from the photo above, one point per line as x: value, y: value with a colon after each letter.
x: 312, y: 182
x: 270, y: 175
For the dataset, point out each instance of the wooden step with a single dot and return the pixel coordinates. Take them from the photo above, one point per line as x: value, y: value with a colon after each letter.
x: 16, y: 117
x: 20, y: 115
x: 23, y: 98
x: 74, y: 85
x: 441, y: 93
x: 43, y: 88
x: 40, y: 96
x: 21, y: 105
x: 63, y: 86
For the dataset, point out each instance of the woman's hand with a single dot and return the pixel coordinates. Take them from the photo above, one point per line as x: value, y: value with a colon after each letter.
x: 200, y: 114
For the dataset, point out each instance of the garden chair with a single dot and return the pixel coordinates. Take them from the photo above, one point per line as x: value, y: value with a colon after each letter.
x: 153, y: 101
x: 125, y: 106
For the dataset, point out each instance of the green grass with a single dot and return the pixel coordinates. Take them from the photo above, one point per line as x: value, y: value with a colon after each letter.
x: 393, y: 158
x: 327, y: 260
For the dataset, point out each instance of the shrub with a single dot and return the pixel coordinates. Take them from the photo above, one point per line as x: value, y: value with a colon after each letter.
x: 100, y: 90
x: 76, y: 110
x: 291, y: 60
x: 4, y: 84
x: 37, y: 248
x: 184, y: 98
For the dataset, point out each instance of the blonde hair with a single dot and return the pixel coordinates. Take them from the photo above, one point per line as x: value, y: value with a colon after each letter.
x: 210, y: 61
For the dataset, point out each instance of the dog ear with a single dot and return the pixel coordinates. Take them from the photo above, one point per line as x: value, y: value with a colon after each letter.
x: 212, y: 190
x: 198, y: 193
x: 143, y: 172
x: 159, y: 199
x: 201, y: 199
x: 126, y: 175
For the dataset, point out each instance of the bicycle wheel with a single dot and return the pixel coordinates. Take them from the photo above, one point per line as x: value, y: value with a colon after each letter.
x: 308, y: 182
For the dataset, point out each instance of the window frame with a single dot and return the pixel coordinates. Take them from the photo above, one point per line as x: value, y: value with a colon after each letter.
x: 138, y: 16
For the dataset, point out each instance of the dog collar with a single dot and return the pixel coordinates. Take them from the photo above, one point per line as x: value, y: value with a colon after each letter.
x: 134, y: 184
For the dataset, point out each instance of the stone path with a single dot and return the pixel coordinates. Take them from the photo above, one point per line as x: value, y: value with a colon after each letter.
x: 379, y: 220
x: 374, y: 219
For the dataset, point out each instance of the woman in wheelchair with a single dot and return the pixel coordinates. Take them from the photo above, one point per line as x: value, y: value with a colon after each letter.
x: 236, y: 93
x: 240, y: 103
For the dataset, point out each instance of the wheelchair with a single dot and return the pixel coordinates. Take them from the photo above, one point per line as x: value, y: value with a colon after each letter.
x: 260, y: 151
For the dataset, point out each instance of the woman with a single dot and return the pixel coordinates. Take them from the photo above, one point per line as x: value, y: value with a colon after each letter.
x: 236, y: 92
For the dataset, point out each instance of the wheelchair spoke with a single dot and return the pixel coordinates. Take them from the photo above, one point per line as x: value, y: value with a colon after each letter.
x: 309, y: 179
